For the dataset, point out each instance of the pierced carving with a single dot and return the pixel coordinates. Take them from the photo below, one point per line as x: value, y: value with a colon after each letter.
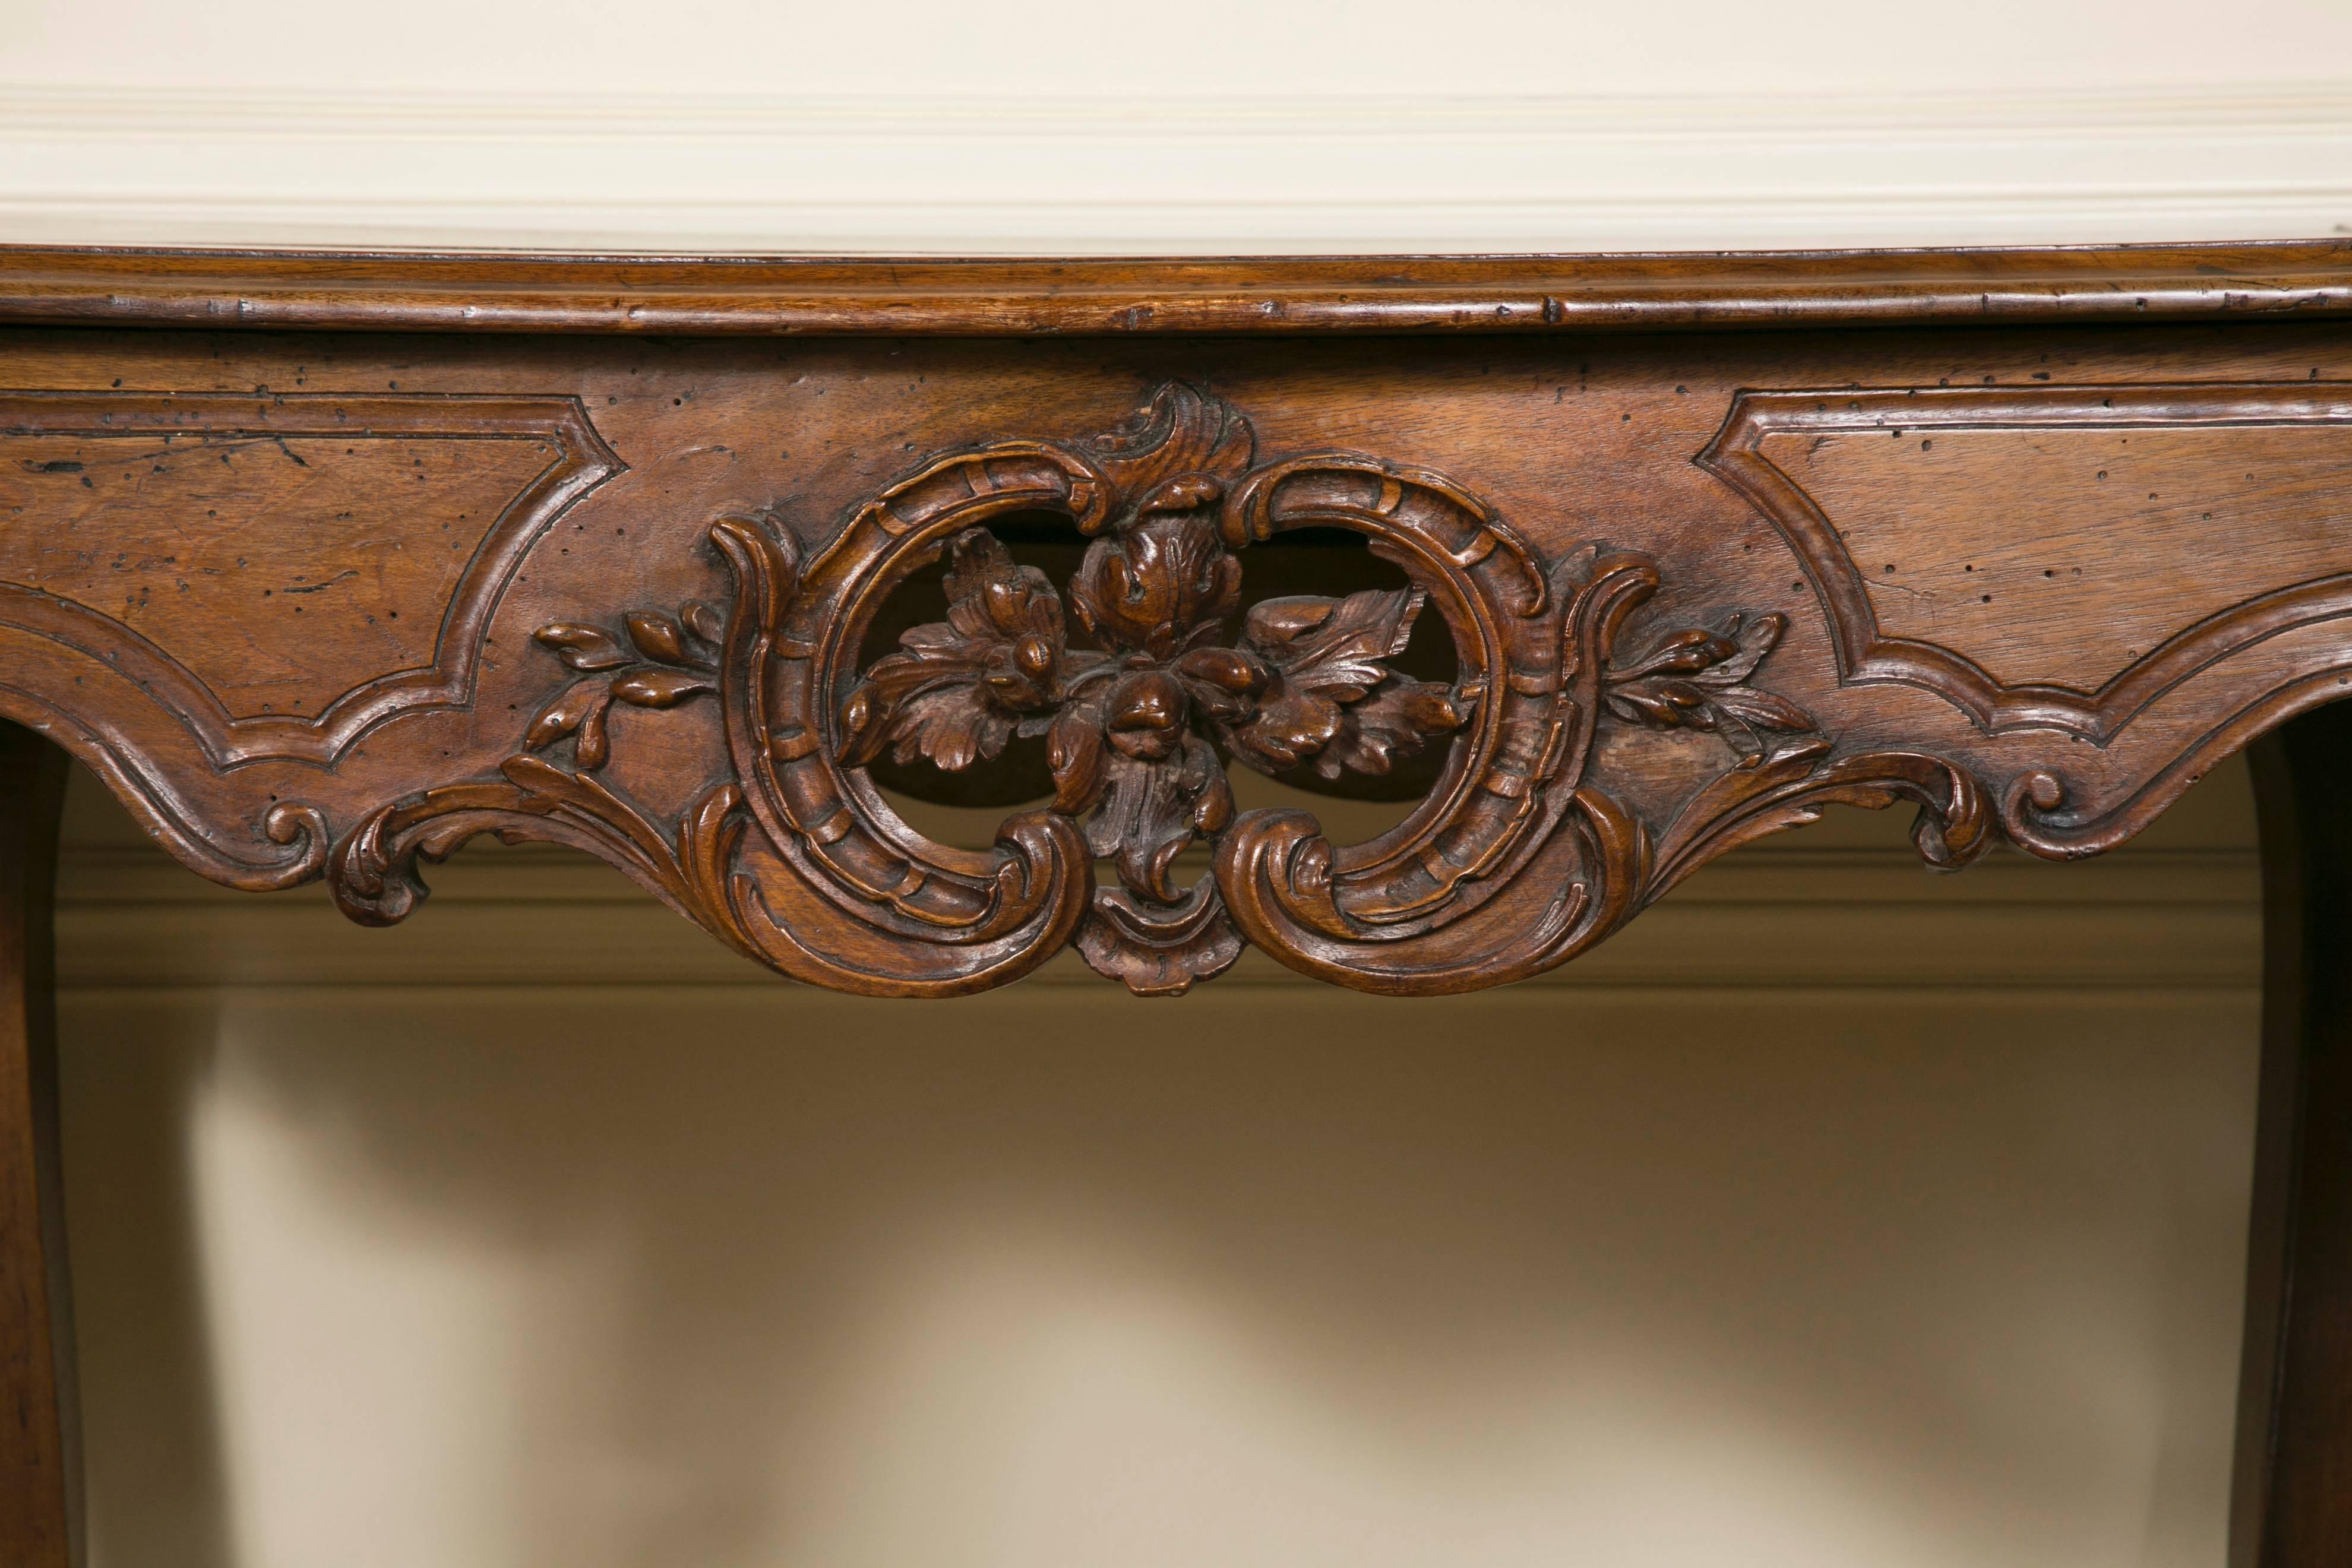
x: 1135, y: 725
x: 1143, y: 686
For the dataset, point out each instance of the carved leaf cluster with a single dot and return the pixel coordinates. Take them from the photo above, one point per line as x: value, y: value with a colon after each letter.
x: 659, y: 662
x: 1132, y: 725
x: 1322, y: 690
x: 1698, y: 680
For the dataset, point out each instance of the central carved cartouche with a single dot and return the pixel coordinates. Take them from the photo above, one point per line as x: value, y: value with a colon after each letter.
x: 1133, y: 724
x: 1143, y: 677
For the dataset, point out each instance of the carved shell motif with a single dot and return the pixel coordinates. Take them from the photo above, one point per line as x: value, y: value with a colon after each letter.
x: 1145, y: 678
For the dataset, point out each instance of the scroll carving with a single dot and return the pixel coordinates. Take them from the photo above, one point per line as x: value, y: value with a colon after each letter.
x: 1145, y: 676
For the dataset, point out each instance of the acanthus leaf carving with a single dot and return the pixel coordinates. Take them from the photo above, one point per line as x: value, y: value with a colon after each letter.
x: 1143, y: 676
x: 956, y: 693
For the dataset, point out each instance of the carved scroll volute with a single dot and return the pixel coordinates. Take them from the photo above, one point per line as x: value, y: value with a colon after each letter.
x: 1403, y: 911
x: 849, y: 887
x: 792, y: 861
x: 1117, y: 715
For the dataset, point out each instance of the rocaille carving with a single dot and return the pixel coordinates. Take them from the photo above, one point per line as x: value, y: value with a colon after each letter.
x: 1145, y: 677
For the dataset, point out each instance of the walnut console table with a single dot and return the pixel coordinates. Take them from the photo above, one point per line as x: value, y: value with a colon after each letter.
x: 1591, y: 569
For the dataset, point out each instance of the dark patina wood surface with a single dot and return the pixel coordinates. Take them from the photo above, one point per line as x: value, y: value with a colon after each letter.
x: 1593, y: 568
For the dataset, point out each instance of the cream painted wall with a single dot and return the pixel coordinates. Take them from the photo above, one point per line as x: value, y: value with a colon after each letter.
x: 1254, y: 125
x: 1211, y: 47
x: 1835, y: 1216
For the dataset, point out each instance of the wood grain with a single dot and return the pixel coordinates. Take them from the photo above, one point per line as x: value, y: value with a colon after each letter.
x: 2121, y: 508
x: 319, y: 536
x: 268, y: 608
x: 1635, y: 665
x: 765, y: 296
x: 2054, y: 554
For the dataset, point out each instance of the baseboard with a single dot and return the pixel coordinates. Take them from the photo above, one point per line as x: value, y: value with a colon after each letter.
x: 1772, y: 918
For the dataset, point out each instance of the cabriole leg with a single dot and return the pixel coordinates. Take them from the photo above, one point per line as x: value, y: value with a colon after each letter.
x: 40, y: 1437
x: 2291, y: 1505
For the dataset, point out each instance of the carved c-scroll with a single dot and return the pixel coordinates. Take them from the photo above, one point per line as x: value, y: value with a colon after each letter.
x: 1143, y: 689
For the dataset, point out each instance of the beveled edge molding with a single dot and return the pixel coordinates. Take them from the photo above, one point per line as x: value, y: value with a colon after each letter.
x: 665, y: 294
x: 1866, y: 655
x: 583, y: 462
x: 286, y: 847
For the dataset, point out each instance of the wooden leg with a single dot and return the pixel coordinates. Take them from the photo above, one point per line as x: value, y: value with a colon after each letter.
x: 40, y: 1435
x: 2292, y: 1501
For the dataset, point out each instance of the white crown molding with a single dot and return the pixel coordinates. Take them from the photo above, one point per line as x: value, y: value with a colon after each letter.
x: 104, y: 165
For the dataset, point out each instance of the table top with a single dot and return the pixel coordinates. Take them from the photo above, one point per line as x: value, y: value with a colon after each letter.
x: 947, y: 296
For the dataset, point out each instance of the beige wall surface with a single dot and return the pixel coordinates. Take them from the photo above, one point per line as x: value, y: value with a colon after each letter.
x: 1836, y: 1215
x: 1251, y: 125
x: 1212, y: 49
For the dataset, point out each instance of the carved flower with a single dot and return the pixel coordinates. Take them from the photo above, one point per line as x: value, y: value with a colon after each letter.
x: 960, y: 690
x: 1126, y: 739
x: 1132, y: 725
x: 1317, y: 688
x: 1160, y: 586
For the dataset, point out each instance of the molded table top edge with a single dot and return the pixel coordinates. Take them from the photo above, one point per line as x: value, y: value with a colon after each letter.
x: 1123, y: 296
